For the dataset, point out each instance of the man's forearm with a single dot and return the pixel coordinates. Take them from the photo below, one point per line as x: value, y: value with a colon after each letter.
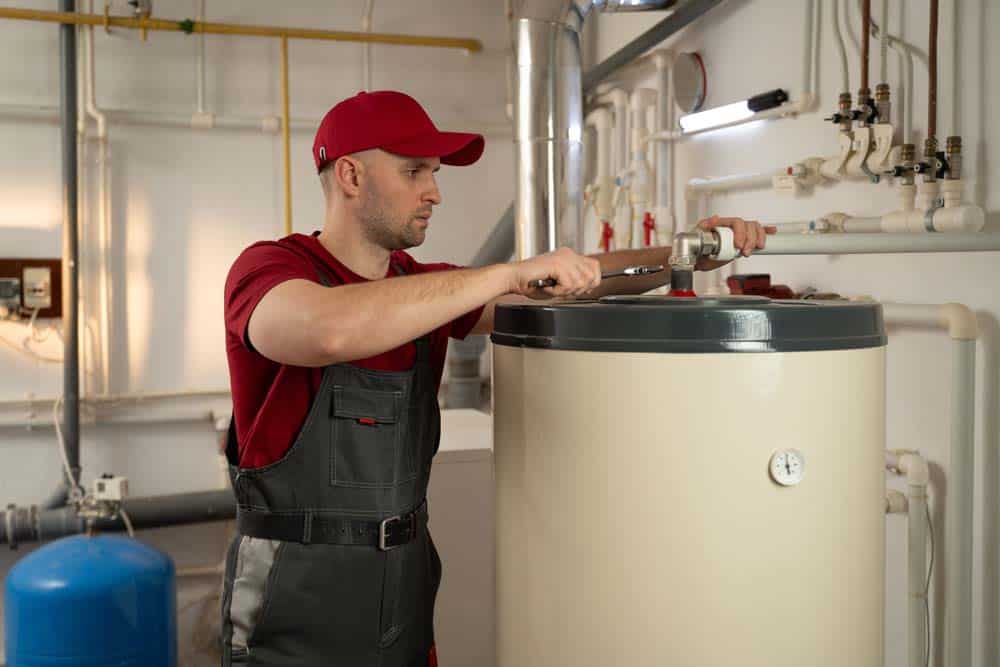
x: 366, y: 319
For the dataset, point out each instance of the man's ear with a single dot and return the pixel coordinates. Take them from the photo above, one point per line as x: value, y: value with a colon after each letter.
x: 347, y: 173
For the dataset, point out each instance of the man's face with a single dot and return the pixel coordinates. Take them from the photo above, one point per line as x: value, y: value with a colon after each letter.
x: 397, y: 199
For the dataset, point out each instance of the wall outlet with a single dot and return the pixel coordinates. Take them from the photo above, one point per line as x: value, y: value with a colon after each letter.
x: 10, y: 297
x: 36, y: 291
x: 38, y: 285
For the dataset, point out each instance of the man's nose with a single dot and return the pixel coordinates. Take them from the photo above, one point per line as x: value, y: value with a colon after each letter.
x: 433, y: 195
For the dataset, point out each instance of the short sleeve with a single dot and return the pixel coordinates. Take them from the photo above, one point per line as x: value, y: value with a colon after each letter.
x: 257, y: 270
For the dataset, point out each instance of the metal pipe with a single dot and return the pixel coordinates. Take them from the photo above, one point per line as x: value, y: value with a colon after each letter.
x: 548, y: 113
x: 71, y: 249
x: 32, y: 524
x: 932, y: 73
x: 499, y: 245
x: 679, y: 18
x: 862, y: 244
x: 285, y: 140
x: 866, y: 18
x: 188, y: 26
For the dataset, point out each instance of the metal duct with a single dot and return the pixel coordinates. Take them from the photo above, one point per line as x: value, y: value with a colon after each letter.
x: 549, y: 120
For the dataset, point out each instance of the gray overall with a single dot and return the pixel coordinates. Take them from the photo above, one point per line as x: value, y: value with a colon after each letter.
x: 333, y: 564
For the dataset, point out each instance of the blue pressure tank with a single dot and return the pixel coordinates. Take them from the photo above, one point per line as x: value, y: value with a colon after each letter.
x: 89, y: 601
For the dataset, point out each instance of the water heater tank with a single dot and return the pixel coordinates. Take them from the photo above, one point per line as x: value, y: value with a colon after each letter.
x: 91, y: 602
x: 689, y: 482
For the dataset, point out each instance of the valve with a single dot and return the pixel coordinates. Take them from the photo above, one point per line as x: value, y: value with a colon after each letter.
x: 607, y: 234
x: 648, y: 228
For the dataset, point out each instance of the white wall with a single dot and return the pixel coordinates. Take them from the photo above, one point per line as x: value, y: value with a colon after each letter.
x: 186, y: 202
x: 752, y: 47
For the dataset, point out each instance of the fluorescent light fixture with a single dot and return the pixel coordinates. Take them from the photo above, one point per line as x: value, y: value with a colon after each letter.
x: 732, y: 113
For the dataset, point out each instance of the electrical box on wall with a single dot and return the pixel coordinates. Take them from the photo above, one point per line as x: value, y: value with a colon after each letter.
x: 27, y: 284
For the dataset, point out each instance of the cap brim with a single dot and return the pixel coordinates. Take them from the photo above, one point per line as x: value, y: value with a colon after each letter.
x: 454, y: 148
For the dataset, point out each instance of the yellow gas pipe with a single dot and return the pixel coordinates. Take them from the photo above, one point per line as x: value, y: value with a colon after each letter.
x: 284, y: 135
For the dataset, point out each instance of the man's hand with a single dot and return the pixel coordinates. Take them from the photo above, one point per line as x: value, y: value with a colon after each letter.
x: 748, y: 235
x: 575, y: 275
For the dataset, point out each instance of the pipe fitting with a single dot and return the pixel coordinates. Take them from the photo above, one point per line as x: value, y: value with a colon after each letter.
x: 953, y: 156
x: 960, y: 320
x: 895, y: 502
x: 883, y: 103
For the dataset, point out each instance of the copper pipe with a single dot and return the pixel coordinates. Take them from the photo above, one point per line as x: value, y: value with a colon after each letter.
x: 285, y: 123
x: 189, y: 26
x: 866, y: 24
x: 932, y: 72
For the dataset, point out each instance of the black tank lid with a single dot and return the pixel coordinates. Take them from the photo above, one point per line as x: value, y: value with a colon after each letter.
x: 703, y: 324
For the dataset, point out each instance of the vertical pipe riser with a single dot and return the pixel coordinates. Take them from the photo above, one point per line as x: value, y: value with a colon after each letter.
x: 960, y: 504
x: 68, y: 117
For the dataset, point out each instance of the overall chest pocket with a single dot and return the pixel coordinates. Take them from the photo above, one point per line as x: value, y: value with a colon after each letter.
x: 366, y: 437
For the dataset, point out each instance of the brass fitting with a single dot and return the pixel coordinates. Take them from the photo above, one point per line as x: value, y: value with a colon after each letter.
x: 953, y: 155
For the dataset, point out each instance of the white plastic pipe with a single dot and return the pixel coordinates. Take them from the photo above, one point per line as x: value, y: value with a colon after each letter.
x: 104, y: 210
x: 960, y: 503
x: 200, y: 60
x: 809, y: 35
x: 266, y: 124
x: 914, y: 467
x: 763, y: 179
x: 962, y: 327
x: 600, y: 120
x: 640, y: 182
x: 845, y: 84
x: 863, y: 244
x: 166, y: 407
x: 618, y: 98
x: 663, y: 198
x: 603, y: 187
x: 366, y: 26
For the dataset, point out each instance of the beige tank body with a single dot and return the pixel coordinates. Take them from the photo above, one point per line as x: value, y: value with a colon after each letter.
x: 638, y: 524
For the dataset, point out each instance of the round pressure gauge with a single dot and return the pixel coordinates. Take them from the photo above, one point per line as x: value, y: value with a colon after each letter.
x: 787, y: 466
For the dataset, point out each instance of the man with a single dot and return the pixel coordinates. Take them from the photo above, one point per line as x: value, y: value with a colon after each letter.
x: 336, y: 344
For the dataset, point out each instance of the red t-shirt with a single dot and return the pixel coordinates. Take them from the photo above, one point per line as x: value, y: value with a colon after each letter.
x: 271, y: 400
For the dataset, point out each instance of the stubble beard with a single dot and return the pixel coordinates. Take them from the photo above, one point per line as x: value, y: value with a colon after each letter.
x: 384, y: 229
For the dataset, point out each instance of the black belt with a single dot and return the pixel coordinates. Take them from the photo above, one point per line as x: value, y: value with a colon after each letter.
x: 309, y: 527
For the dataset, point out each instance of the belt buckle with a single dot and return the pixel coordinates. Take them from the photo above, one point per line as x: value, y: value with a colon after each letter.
x: 383, y: 535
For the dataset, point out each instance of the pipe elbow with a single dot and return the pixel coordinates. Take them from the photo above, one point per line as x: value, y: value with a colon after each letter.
x: 600, y: 118
x: 915, y: 468
x: 960, y: 320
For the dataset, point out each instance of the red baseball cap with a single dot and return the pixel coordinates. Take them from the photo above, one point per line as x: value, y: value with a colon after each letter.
x: 394, y: 122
